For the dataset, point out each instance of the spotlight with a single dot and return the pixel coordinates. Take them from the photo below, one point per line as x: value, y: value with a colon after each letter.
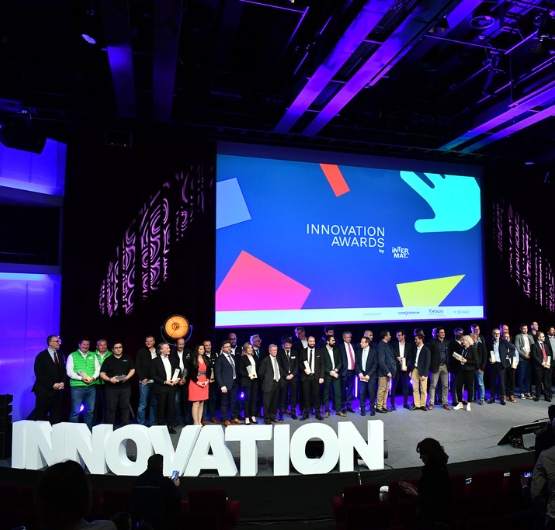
x: 482, y: 17
x: 441, y: 27
x: 81, y: 408
x: 18, y: 134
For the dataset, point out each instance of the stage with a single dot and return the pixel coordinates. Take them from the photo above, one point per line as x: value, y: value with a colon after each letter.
x: 470, y: 439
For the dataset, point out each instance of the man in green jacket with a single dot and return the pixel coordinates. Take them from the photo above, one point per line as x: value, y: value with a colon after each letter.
x: 83, y: 370
x: 102, y: 353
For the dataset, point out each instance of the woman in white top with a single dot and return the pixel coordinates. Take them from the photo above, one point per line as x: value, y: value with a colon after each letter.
x: 248, y: 369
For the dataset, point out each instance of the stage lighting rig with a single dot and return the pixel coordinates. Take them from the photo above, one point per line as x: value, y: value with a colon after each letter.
x: 482, y: 17
x: 546, y: 32
x: 493, y: 70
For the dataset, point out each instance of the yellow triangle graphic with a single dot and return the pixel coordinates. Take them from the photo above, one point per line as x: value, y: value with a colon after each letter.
x: 427, y: 292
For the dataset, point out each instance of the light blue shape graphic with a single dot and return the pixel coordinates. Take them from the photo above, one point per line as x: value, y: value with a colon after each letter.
x: 231, y: 208
x: 454, y: 199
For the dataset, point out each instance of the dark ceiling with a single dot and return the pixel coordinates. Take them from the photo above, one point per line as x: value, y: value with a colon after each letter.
x: 459, y: 79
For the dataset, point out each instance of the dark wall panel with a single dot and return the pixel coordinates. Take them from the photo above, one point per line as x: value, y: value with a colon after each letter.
x: 138, y: 239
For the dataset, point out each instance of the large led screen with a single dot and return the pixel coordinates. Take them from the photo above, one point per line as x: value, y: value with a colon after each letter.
x: 302, y: 242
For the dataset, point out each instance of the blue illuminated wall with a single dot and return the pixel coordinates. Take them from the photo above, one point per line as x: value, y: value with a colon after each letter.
x: 44, y: 173
x: 29, y: 312
x: 30, y: 294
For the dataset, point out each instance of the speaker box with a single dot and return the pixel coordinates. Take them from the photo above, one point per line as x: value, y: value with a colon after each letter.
x: 19, y: 135
x: 5, y: 410
x: 5, y: 444
x: 523, y: 436
x: 5, y: 399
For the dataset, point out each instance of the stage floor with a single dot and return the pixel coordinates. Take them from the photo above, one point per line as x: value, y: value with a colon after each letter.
x: 470, y: 439
x: 465, y: 435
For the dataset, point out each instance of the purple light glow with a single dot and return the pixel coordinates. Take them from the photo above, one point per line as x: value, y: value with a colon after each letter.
x: 386, y: 56
x: 144, y: 253
x: 81, y: 408
x: 30, y: 311
x: 242, y: 396
x: 522, y: 255
x: 44, y: 173
x: 355, y: 34
x: 543, y: 96
x: 88, y: 39
x: 282, y: 8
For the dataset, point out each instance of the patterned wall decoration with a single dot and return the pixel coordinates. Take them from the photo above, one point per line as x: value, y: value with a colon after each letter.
x: 141, y: 261
x: 522, y: 254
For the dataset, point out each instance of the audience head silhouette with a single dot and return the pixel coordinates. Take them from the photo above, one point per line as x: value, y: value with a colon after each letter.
x: 67, y: 481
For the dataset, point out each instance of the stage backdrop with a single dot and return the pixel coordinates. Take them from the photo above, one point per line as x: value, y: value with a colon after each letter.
x: 317, y: 237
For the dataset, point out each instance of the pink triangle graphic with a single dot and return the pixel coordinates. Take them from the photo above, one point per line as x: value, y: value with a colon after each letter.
x: 252, y: 285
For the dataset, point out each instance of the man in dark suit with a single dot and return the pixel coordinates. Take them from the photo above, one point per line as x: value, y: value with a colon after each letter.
x: 366, y: 368
x: 228, y: 381
x: 332, y: 367
x: 257, y: 351
x: 541, y: 361
x: 403, y: 351
x: 546, y: 438
x: 235, y: 348
x: 523, y: 344
x: 50, y: 375
x: 503, y: 352
x: 419, y: 366
x: 312, y: 376
x: 288, y: 363
x: 270, y: 377
x: 259, y: 354
x: 347, y: 372
x: 162, y: 372
x: 387, y: 368
x: 329, y: 331
x: 300, y: 344
x: 439, y: 367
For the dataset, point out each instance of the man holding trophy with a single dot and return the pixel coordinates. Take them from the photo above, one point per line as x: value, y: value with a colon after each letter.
x: 116, y: 371
x: 164, y: 371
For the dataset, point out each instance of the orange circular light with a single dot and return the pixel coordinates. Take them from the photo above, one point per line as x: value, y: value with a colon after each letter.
x: 176, y: 326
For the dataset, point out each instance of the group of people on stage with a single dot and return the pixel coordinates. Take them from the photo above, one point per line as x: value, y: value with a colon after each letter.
x: 175, y: 383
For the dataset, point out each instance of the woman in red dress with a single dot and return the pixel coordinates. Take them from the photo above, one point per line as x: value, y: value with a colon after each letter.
x: 199, y: 376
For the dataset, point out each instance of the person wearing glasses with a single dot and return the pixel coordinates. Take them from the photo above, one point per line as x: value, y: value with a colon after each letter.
x: 116, y: 372
x: 501, y: 353
x: 50, y: 373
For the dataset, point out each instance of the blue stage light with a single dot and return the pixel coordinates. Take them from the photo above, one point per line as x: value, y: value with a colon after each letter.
x: 88, y: 39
